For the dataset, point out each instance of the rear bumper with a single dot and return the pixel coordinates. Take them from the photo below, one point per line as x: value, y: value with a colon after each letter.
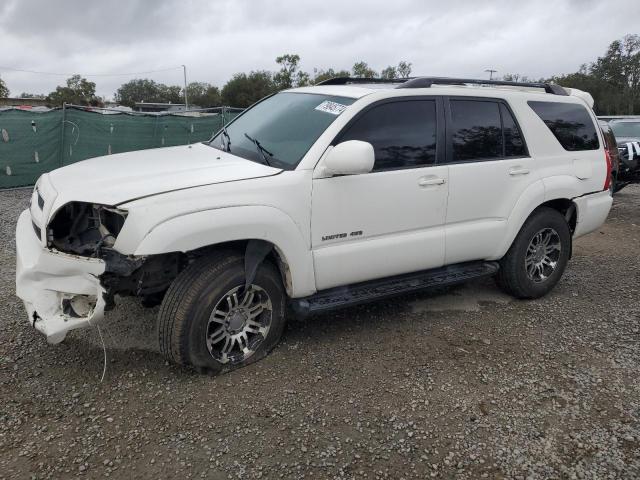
x: 60, y: 292
x: 592, y: 212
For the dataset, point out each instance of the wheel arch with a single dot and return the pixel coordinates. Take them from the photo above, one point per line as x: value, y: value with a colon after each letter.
x: 236, y: 228
x: 532, y: 199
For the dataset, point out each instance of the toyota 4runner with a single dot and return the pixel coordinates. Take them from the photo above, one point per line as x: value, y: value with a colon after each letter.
x: 318, y: 198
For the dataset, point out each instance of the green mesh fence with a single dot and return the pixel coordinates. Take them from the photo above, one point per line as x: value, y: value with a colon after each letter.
x: 32, y: 143
x: 29, y: 145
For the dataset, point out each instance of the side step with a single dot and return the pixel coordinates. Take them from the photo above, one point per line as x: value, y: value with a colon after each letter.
x: 340, y: 297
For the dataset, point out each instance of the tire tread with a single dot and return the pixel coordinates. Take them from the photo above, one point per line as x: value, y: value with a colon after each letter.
x: 174, y: 310
x: 507, y: 277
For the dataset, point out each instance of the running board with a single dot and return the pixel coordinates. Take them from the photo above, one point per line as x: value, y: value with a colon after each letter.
x: 340, y: 297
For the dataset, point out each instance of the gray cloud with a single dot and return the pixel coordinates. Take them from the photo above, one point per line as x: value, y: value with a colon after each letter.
x: 216, y: 39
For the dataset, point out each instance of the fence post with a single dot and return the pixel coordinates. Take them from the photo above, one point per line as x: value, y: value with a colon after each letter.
x: 64, y: 104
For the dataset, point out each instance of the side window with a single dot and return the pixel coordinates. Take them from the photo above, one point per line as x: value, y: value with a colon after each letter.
x: 513, y: 142
x: 403, y: 134
x: 476, y: 130
x: 570, y: 123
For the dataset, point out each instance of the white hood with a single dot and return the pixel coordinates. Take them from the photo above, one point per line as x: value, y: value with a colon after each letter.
x: 115, y: 179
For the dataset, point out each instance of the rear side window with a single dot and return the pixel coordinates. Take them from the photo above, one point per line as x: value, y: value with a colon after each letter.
x: 570, y: 123
x: 484, y: 130
x: 476, y: 130
x: 403, y: 134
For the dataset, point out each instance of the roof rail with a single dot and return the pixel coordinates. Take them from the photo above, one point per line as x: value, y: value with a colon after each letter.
x: 426, y: 82
x: 348, y: 80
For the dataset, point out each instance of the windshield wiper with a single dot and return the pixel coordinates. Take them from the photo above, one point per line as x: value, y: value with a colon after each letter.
x: 263, y: 151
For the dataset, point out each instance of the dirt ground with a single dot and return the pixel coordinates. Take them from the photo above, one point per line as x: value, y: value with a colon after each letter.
x: 466, y: 383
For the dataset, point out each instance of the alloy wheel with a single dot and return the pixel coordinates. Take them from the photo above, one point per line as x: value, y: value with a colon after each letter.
x: 239, y: 324
x: 543, y: 253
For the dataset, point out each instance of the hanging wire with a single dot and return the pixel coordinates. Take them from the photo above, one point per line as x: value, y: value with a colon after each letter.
x: 90, y: 74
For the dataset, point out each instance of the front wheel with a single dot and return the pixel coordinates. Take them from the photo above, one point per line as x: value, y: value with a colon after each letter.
x: 209, y: 320
x: 538, y: 256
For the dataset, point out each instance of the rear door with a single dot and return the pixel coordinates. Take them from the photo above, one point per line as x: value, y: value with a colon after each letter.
x: 489, y: 169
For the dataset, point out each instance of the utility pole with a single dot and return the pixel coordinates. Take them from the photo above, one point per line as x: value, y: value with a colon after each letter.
x: 490, y: 72
x: 186, y: 101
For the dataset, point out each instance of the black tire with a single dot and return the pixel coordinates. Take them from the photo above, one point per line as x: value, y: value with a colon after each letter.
x: 513, y: 277
x: 184, y: 317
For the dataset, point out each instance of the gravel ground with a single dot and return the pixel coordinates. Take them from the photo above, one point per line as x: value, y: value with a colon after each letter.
x: 467, y: 384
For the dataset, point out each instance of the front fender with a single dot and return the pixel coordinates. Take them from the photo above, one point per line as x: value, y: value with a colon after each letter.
x: 211, y: 227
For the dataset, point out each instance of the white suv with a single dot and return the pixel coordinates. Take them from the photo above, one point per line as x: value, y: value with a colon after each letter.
x: 318, y: 197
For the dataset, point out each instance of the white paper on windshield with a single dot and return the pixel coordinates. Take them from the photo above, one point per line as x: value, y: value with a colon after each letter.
x: 331, y: 107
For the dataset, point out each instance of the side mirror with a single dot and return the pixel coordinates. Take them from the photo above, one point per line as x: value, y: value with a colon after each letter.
x: 350, y: 158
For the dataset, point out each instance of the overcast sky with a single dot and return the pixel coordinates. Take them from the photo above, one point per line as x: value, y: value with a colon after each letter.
x: 217, y: 38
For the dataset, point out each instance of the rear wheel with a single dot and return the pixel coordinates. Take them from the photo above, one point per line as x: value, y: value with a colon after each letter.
x: 209, y: 320
x: 538, y: 256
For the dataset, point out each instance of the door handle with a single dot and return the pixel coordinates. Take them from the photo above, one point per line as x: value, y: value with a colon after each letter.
x: 518, y: 171
x: 428, y: 181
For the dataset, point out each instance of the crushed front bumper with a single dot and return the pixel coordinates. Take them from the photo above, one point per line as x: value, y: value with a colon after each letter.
x: 60, y: 291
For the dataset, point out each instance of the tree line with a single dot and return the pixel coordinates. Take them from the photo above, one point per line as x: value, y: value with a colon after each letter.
x: 613, y: 80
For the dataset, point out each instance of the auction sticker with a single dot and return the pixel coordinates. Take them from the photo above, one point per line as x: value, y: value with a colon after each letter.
x: 331, y: 107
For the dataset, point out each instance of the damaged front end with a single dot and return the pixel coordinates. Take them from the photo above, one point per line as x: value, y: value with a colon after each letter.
x: 85, y: 229
x: 68, y: 272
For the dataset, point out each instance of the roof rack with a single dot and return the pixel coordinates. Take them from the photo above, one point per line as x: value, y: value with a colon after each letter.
x: 427, y: 82
x: 351, y: 80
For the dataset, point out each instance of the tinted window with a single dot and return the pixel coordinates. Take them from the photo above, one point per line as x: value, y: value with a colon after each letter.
x: 403, y: 134
x: 570, y: 123
x: 513, y: 143
x: 476, y: 130
x: 626, y: 129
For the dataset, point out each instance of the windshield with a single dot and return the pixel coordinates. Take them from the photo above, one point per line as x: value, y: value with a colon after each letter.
x: 626, y: 129
x: 279, y: 130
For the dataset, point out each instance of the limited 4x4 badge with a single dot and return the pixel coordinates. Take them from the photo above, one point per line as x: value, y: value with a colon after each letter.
x: 357, y: 233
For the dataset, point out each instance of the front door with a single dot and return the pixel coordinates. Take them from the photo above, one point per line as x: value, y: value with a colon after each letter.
x: 389, y: 221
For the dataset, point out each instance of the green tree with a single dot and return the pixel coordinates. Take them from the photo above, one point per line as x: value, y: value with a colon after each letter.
x: 362, y: 70
x: 404, y: 69
x: 613, y: 79
x: 79, y: 91
x: 138, y: 90
x: 322, y: 75
x: 145, y: 90
x: 290, y: 74
x: 244, y: 90
x: 170, y: 94
x: 288, y: 67
x: 4, y: 90
x: 203, y: 95
x: 389, y: 73
x: 620, y: 69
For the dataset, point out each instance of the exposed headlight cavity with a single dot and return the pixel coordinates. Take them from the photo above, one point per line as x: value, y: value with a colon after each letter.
x: 85, y: 228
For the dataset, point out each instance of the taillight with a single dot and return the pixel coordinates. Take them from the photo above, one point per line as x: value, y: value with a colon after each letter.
x: 607, y: 180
